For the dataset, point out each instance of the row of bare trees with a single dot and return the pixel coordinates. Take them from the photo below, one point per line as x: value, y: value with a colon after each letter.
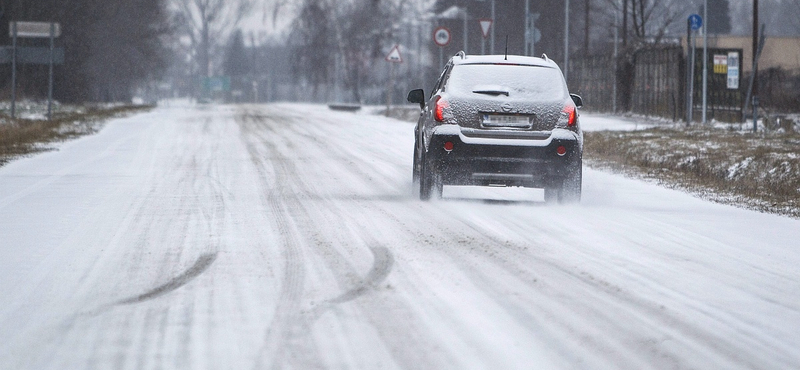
x: 202, y: 29
x: 341, y: 41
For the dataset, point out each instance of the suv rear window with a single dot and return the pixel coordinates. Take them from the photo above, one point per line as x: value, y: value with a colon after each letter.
x: 534, y: 83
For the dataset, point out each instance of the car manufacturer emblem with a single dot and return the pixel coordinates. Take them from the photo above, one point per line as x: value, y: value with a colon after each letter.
x: 506, y: 107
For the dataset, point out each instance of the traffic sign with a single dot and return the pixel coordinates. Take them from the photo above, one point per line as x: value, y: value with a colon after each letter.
x: 486, y: 24
x: 441, y: 36
x: 695, y: 22
x: 534, y: 34
x: 34, y: 29
x: 394, y: 55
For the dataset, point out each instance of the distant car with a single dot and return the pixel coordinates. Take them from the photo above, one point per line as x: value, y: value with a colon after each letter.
x: 499, y: 121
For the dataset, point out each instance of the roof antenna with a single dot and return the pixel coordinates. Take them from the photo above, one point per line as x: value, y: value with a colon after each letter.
x: 506, y: 48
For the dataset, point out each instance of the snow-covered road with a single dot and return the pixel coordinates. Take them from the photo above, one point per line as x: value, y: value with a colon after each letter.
x: 286, y: 237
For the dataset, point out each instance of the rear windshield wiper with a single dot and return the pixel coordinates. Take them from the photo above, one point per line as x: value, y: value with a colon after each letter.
x: 491, y: 92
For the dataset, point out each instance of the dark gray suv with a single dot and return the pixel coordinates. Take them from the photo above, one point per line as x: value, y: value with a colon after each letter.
x: 499, y: 121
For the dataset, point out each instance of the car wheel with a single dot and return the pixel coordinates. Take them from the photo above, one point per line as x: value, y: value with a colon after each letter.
x: 571, y: 189
x: 415, y: 186
x: 424, y: 180
x: 430, y: 184
x: 567, y: 191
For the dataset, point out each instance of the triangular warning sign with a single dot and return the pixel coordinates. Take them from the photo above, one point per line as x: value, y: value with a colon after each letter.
x: 394, y: 55
x: 486, y: 24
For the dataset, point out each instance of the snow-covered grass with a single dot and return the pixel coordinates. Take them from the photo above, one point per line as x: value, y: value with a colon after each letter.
x: 719, y: 162
x: 31, y: 131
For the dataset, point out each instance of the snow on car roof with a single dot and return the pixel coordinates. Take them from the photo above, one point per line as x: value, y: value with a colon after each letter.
x: 502, y: 59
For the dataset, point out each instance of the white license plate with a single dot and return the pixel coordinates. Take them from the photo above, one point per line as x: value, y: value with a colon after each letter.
x: 500, y: 120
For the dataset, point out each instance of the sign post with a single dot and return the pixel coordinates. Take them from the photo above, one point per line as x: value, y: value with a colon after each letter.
x: 705, y: 62
x: 441, y: 37
x: 693, y: 23
x: 486, y: 25
x: 393, y: 58
x: 33, y: 30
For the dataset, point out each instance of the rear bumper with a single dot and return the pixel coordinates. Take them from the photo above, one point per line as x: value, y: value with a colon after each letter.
x: 496, y: 160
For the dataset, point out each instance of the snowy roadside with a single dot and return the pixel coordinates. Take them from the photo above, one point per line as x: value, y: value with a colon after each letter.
x: 31, y: 132
x: 726, y: 165
x: 723, y: 163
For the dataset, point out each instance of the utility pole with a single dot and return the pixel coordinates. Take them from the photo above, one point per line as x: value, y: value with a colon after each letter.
x: 586, y: 8
x: 13, y: 69
x: 616, y: 51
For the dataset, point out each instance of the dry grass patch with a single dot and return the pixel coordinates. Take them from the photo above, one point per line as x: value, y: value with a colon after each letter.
x: 21, y: 137
x: 759, y: 171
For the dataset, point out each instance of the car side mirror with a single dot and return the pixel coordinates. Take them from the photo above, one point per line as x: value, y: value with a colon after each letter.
x: 577, y: 100
x: 417, y: 96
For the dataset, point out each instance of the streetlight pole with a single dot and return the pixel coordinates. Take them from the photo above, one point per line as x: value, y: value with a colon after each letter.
x: 566, y: 41
x: 465, y: 30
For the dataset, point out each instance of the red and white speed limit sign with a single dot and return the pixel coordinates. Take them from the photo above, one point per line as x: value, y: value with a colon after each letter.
x: 441, y: 36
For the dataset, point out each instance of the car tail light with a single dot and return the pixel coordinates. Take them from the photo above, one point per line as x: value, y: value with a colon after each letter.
x: 448, y: 146
x: 438, y: 112
x: 561, y: 150
x: 569, y: 111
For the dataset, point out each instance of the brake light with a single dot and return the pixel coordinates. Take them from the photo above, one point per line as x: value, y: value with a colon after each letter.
x: 438, y: 112
x: 569, y: 110
x: 448, y: 146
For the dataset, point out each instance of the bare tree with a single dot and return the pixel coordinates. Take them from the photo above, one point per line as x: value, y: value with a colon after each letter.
x: 208, y: 24
x: 652, y: 19
x: 644, y: 21
x: 342, y: 40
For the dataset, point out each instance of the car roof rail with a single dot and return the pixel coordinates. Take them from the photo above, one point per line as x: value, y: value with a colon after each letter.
x: 461, y: 54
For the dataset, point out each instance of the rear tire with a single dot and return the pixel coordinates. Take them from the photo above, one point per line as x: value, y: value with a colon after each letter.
x: 569, y: 189
x: 430, y: 184
x: 415, y: 177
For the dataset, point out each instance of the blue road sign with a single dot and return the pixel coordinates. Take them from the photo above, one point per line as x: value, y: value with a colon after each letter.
x: 696, y: 21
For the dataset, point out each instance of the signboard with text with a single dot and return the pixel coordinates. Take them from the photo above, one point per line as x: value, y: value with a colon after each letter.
x: 724, y: 68
x: 34, y: 29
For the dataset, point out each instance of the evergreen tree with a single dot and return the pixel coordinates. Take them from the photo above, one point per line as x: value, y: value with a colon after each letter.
x: 236, y: 58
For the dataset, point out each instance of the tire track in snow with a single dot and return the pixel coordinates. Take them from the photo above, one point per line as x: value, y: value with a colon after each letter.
x: 288, y: 305
x: 408, y: 342
x: 380, y: 270
x: 200, y: 266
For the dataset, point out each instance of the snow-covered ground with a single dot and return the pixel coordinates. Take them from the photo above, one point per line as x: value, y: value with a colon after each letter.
x: 286, y: 236
x: 602, y: 122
